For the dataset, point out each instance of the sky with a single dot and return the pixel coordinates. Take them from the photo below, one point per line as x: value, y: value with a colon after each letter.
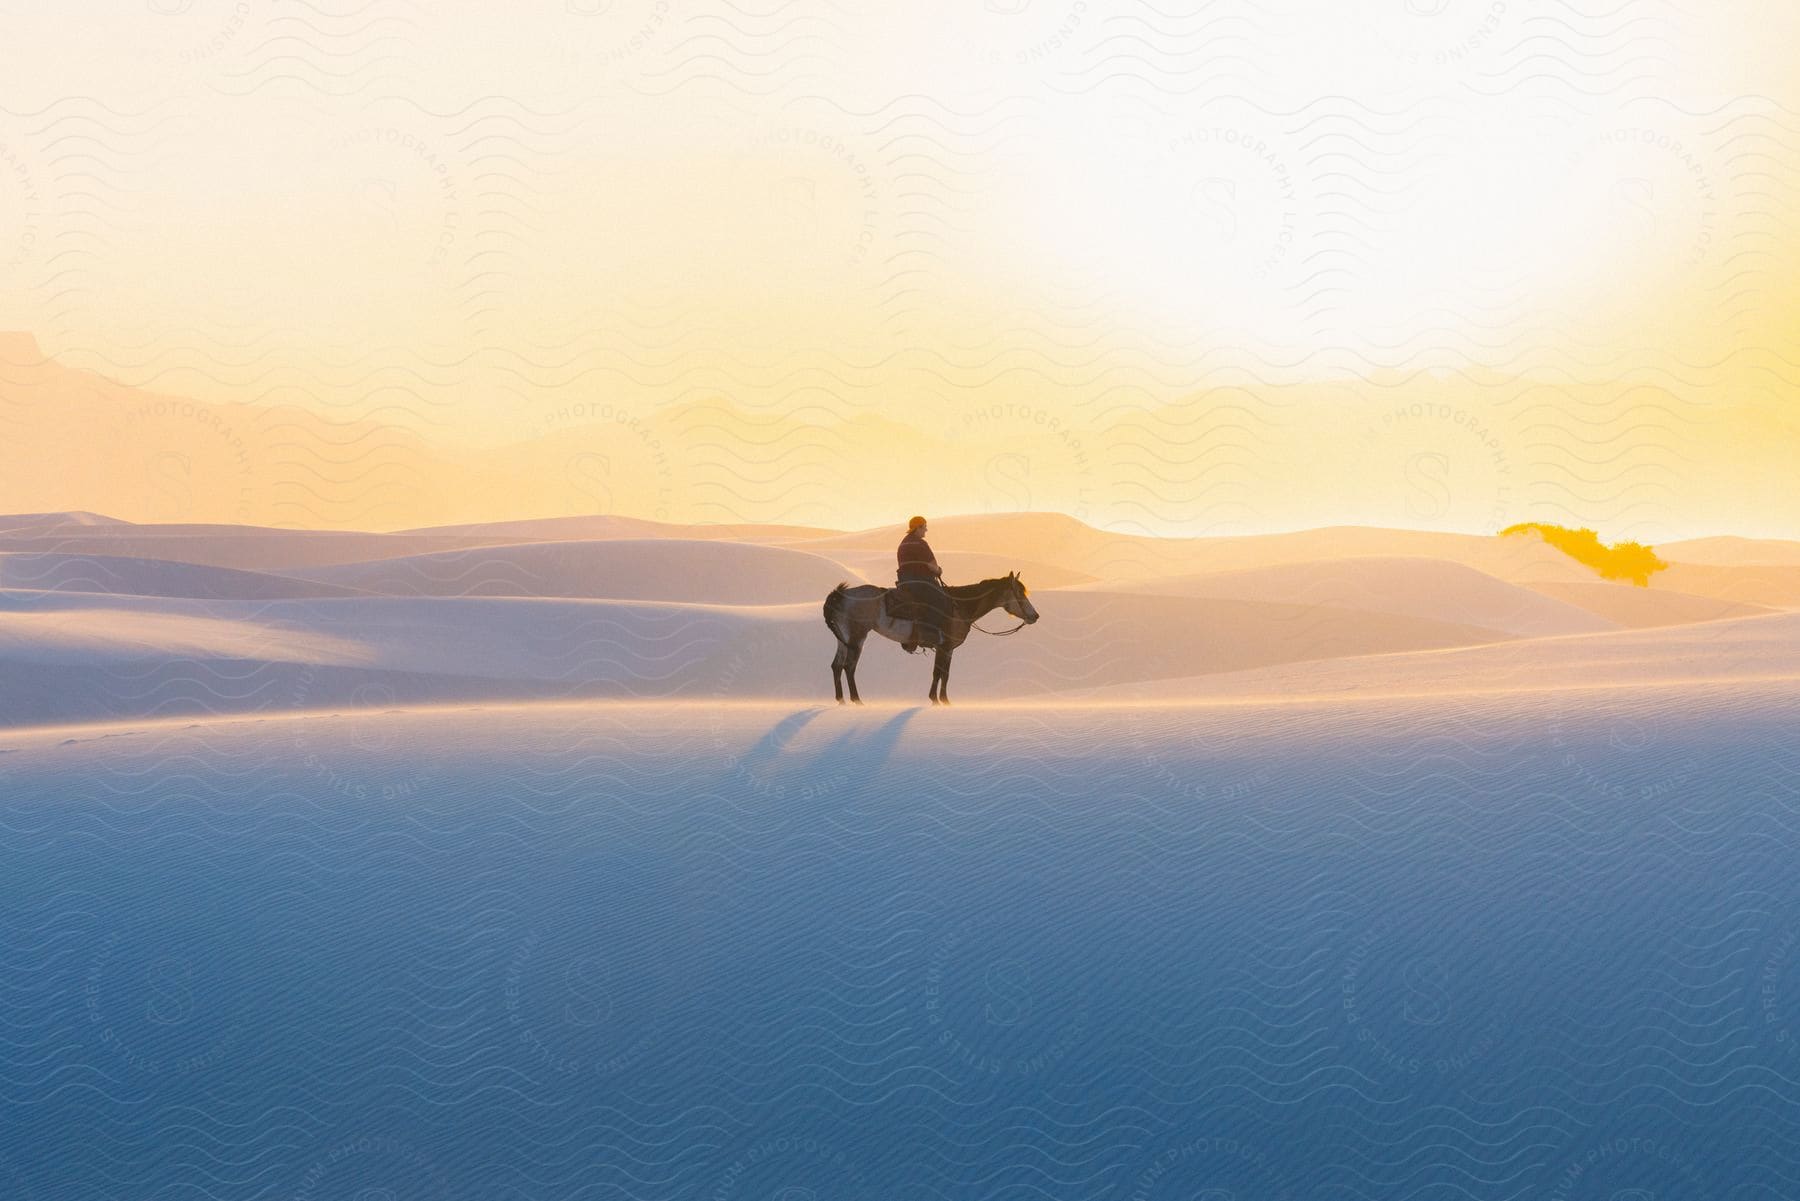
x: 1210, y: 268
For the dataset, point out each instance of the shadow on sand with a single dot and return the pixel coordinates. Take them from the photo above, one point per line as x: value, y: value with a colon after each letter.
x: 850, y: 757
x: 862, y: 750
x: 760, y: 756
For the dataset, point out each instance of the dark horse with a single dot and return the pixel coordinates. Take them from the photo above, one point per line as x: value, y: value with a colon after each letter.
x: 850, y: 613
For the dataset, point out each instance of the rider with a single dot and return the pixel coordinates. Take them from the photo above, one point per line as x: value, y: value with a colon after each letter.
x: 920, y: 575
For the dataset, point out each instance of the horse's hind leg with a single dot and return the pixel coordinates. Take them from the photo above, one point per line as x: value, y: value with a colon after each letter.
x: 837, y: 671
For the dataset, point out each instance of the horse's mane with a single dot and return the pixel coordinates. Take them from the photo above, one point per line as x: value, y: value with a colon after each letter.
x: 971, y: 591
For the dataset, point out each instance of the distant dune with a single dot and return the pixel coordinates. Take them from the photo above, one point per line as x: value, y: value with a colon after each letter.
x: 1763, y: 649
x: 877, y: 566
x: 1735, y: 552
x: 31, y: 524
x: 1631, y: 607
x: 1430, y: 589
x: 725, y: 573
x: 1054, y: 538
x: 234, y: 656
x: 126, y: 576
x: 1776, y: 587
x: 246, y: 548
x: 91, y: 631
x: 101, y: 619
x: 608, y: 527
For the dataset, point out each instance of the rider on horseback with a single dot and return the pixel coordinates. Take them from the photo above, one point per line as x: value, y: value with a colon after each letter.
x: 921, y: 581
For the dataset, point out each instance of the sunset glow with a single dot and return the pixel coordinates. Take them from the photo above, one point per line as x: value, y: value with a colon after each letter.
x: 1436, y: 263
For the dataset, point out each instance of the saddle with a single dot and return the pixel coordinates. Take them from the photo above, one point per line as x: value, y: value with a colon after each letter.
x: 922, y: 602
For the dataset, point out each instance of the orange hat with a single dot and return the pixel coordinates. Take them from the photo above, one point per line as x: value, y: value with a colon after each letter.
x: 915, y: 523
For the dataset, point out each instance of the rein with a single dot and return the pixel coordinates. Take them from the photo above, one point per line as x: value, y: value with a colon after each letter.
x: 998, y: 633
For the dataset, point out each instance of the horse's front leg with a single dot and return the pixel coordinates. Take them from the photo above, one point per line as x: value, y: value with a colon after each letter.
x: 940, y: 677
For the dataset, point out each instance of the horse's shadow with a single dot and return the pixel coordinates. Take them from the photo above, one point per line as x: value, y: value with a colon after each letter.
x: 864, y: 750
x: 842, y: 764
x: 775, y: 741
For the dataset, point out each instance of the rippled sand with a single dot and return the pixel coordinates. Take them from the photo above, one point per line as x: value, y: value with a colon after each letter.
x: 1537, y: 945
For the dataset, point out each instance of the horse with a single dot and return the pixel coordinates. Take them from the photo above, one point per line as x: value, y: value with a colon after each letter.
x: 850, y: 613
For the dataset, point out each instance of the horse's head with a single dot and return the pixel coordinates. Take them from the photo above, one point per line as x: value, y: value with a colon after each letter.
x: 1016, y: 599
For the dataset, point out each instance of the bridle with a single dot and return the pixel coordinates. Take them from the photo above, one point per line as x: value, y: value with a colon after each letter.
x: 1000, y: 633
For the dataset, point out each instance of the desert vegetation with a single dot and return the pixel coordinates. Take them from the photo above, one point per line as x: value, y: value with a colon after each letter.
x: 1621, y: 561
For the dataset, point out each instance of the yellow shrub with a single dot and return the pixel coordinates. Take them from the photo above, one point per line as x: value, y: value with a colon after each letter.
x: 1626, y: 561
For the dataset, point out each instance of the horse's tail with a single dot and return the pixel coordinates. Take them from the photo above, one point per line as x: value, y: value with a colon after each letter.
x: 834, y: 610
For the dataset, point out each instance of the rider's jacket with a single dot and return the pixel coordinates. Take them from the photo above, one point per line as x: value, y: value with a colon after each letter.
x: 916, y: 562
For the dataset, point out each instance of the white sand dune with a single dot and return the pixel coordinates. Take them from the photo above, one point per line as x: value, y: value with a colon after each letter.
x: 602, y: 527
x: 108, y: 620
x: 231, y: 656
x: 1734, y: 552
x: 29, y: 524
x: 1515, y: 559
x: 127, y: 657
x: 1763, y: 648
x: 1774, y: 587
x: 693, y: 571
x: 245, y: 548
x: 1631, y: 607
x: 1088, y: 637
x: 121, y: 575
x: 1053, y: 538
x: 107, y: 633
x: 968, y: 567
x: 1432, y: 589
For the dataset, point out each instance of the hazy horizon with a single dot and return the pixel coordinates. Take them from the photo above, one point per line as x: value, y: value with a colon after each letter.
x: 898, y: 524
x: 85, y: 441
x: 1452, y: 265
